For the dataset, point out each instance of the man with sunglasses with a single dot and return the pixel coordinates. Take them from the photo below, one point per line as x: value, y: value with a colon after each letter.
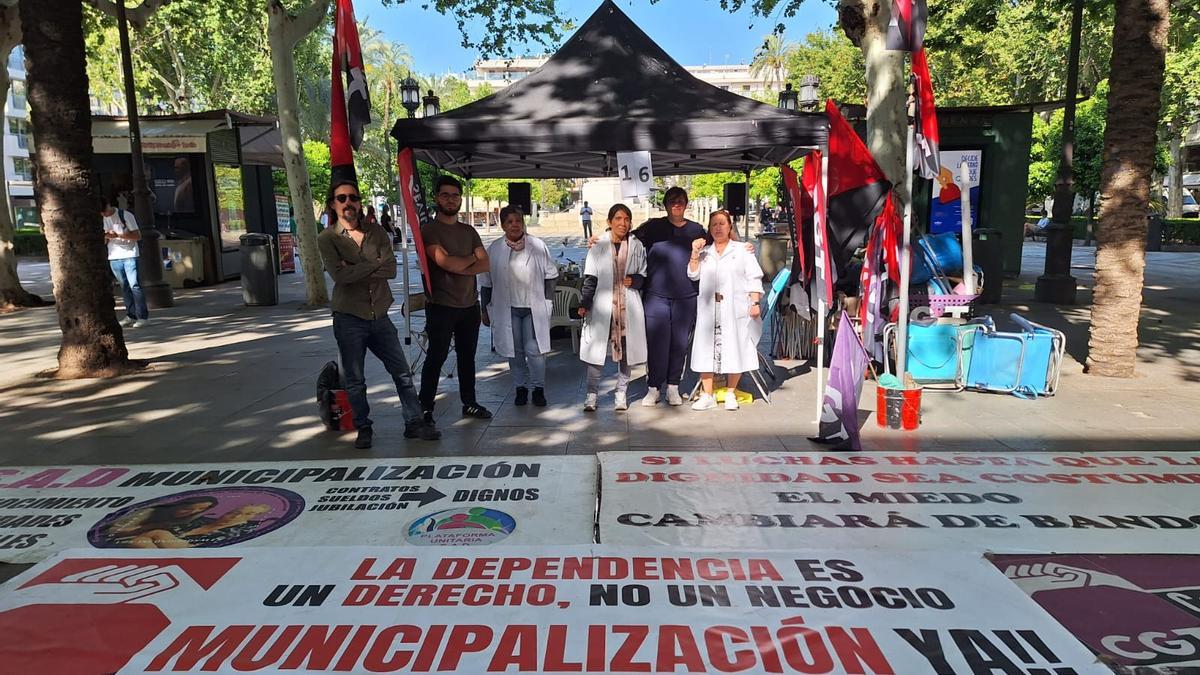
x: 455, y: 254
x: 359, y: 257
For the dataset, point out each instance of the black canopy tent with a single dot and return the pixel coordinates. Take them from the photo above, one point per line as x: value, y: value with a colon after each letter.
x: 610, y: 88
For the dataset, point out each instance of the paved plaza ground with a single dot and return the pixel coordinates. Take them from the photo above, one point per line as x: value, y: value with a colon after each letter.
x: 233, y: 383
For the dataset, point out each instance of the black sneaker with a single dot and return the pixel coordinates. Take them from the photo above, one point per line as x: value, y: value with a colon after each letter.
x: 363, y: 441
x: 477, y: 411
x: 539, y: 397
x: 429, y: 432
x: 523, y: 396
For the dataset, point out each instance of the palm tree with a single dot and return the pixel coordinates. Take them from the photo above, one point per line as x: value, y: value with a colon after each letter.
x: 388, y: 63
x: 1135, y: 88
x: 770, y: 62
x: 66, y: 186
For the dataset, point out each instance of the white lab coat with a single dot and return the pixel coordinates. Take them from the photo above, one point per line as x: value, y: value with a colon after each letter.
x: 735, y: 274
x: 499, y: 279
x: 593, y: 344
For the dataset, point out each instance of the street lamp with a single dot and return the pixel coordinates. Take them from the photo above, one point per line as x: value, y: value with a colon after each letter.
x: 787, y: 97
x: 410, y: 95
x: 432, y: 104
x: 809, y: 97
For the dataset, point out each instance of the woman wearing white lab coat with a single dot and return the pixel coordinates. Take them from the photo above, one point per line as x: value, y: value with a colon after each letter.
x: 517, y: 294
x: 614, y: 322
x: 728, y: 316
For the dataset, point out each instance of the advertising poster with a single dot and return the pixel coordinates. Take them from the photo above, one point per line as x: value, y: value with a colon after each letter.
x: 554, y: 609
x: 1031, y: 503
x: 412, y: 502
x: 1139, y: 613
x: 945, y: 204
x: 287, y: 252
x: 231, y: 209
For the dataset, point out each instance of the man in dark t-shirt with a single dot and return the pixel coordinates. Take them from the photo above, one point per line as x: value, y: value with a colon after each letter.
x: 456, y: 255
x: 668, y: 295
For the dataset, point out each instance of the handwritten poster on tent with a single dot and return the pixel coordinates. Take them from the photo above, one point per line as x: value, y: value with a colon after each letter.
x: 945, y: 204
x: 553, y: 609
x: 415, y: 502
x: 636, y: 174
x: 1014, y: 502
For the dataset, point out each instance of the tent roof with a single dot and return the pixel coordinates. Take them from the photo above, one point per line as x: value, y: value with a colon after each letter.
x: 610, y: 88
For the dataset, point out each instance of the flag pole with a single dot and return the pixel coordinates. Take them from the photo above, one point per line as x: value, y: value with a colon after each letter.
x: 905, y: 259
x: 820, y: 213
x: 402, y: 218
x: 968, y: 241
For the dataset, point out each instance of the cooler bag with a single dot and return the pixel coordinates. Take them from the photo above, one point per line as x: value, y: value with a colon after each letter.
x: 1026, y: 363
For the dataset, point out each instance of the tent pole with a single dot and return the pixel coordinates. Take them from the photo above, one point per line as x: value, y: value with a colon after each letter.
x: 402, y: 219
x: 968, y: 242
x: 746, y: 205
x: 470, y: 208
x: 822, y: 309
x: 905, y: 259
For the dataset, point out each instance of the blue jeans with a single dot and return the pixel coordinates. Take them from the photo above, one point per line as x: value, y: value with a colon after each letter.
x: 528, y: 364
x: 354, y: 337
x: 126, y: 271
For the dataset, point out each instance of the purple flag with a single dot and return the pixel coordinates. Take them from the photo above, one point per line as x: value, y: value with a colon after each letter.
x: 839, y: 411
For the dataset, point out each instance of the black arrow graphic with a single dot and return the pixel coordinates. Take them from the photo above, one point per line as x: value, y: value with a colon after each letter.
x: 422, y: 498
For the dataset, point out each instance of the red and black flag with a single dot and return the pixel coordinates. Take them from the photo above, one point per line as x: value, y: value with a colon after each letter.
x: 348, y: 114
x: 857, y: 190
x: 925, y: 125
x: 906, y: 30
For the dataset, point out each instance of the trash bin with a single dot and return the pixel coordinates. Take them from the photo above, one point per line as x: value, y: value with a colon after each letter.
x: 773, y: 250
x: 1154, y: 232
x: 987, y: 245
x: 260, y: 283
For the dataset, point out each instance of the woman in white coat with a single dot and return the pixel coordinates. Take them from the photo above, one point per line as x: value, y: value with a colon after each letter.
x: 517, y: 294
x: 728, y: 316
x: 614, y: 322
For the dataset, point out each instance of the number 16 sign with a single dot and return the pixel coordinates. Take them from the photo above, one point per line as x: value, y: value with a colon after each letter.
x: 637, y: 178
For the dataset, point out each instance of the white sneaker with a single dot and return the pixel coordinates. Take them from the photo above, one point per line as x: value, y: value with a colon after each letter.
x: 651, y: 398
x: 141, y: 323
x: 622, y: 401
x: 731, y: 400
x: 673, y: 397
x: 589, y: 403
x: 128, y: 321
x: 705, y: 402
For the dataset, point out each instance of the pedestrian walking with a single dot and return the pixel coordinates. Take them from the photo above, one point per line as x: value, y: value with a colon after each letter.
x: 121, y: 235
x: 455, y: 255
x: 728, y: 315
x: 614, y: 323
x: 359, y: 257
x: 585, y: 214
x: 517, y: 294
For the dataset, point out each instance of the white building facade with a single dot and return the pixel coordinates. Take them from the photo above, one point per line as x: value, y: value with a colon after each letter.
x: 18, y: 145
x: 499, y: 73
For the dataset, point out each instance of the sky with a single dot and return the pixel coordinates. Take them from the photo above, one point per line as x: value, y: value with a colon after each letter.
x: 693, y: 32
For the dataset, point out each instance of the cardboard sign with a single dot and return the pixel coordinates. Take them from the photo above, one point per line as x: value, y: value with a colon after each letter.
x: 417, y: 502
x: 553, y: 609
x: 1014, y: 502
x: 636, y: 174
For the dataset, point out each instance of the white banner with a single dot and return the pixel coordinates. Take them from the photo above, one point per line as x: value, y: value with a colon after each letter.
x: 503, y: 610
x: 1110, y: 502
x: 416, y: 501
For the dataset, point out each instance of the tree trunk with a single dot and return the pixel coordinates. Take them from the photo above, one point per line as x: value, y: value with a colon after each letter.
x: 865, y: 23
x: 1175, y: 173
x: 1138, y: 59
x: 284, y: 31
x: 66, y: 189
x: 12, y: 295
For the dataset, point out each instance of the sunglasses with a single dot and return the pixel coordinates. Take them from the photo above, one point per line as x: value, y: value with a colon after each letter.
x: 342, y: 198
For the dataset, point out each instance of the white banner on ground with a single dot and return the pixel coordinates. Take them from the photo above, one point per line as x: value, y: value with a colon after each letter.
x: 415, y: 501
x: 1014, y: 503
x: 506, y: 609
